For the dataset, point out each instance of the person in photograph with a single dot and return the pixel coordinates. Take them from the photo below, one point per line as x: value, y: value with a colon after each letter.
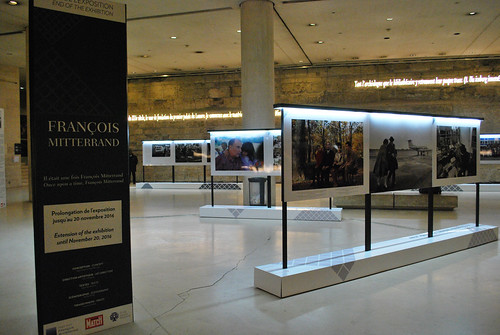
x: 318, y: 159
x: 327, y: 163
x: 381, y: 165
x: 450, y: 170
x: 350, y: 163
x: 338, y: 164
x: 463, y: 160
x: 392, y: 161
x: 222, y: 149
x: 132, y: 162
x: 248, y: 159
x: 230, y: 159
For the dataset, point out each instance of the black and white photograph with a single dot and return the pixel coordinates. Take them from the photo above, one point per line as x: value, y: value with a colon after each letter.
x: 456, y: 152
x: 277, y: 152
x: 188, y: 153
x: 490, y: 148
x: 326, y: 154
x: 207, y: 152
x: 239, y: 153
x: 400, y: 152
x: 160, y: 150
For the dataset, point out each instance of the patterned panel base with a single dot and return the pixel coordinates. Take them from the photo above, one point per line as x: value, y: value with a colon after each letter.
x: 193, y: 186
x: 273, y: 213
x: 313, y: 272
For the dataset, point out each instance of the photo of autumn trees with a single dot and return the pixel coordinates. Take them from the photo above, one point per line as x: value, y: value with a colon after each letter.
x: 326, y: 154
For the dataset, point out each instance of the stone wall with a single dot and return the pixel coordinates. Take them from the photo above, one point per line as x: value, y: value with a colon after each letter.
x: 328, y: 86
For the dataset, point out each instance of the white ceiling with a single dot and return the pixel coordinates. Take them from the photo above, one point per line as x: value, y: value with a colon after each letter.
x: 354, y: 30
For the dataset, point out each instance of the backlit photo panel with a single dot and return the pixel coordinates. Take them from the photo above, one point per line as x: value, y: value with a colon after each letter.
x: 187, y: 153
x: 325, y: 153
x: 400, y: 152
x: 490, y: 148
x: 238, y: 153
x: 157, y: 153
x: 457, y: 151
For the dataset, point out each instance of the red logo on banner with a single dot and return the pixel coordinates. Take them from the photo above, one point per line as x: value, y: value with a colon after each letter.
x: 94, y: 321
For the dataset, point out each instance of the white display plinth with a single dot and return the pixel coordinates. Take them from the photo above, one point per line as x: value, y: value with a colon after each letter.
x: 273, y: 213
x: 192, y: 186
x: 313, y: 272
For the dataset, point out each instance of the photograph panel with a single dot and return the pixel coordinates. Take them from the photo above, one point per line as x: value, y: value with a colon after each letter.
x: 490, y: 148
x: 238, y: 153
x: 157, y: 153
x: 326, y: 154
x: 160, y: 150
x: 400, y: 152
x: 187, y: 153
x: 456, y: 155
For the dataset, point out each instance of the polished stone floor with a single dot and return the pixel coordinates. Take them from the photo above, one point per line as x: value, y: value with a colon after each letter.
x: 195, y: 276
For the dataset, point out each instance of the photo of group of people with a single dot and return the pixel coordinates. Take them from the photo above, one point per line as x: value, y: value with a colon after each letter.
x: 326, y: 154
x: 490, y: 147
x: 242, y: 153
x: 456, y: 151
x: 188, y: 152
x: 400, y: 153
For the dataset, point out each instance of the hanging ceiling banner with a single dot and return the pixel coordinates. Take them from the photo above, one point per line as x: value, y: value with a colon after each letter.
x: 79, y: 145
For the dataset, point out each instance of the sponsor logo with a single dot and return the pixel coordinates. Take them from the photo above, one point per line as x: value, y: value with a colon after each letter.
x: 114, y: 316
x: 94, y: 321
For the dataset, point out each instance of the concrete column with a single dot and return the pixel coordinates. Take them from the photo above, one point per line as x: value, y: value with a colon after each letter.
x: 257, y: 64
x: 257, y: 70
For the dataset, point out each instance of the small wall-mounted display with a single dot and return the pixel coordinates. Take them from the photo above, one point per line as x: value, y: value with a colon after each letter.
x: 244, y: 152
x: 179, y: 152
x: 490, y: 148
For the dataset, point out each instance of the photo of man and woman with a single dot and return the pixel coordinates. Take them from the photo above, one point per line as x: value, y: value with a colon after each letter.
x: 242, y: 153
x: 402, y: 158
x: 456, y: 151
x: 326, y: 154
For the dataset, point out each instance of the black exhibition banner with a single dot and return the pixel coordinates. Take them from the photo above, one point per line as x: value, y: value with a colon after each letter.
x: 79, y: 149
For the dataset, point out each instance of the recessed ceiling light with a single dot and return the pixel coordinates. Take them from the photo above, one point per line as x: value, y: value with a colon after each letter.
x: 472, y: 13
x: 312, y: 24
x: 387, y: 38
x: 456, y: 34
x: 238, y: 31
x: 301, y: 61
x: 389, y: 19
x: 199, y: 52
x: 173, y: 37
x: 13, y: 3
x: 145, y: 56
x: 320, y: 42
x: 165, y: 75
